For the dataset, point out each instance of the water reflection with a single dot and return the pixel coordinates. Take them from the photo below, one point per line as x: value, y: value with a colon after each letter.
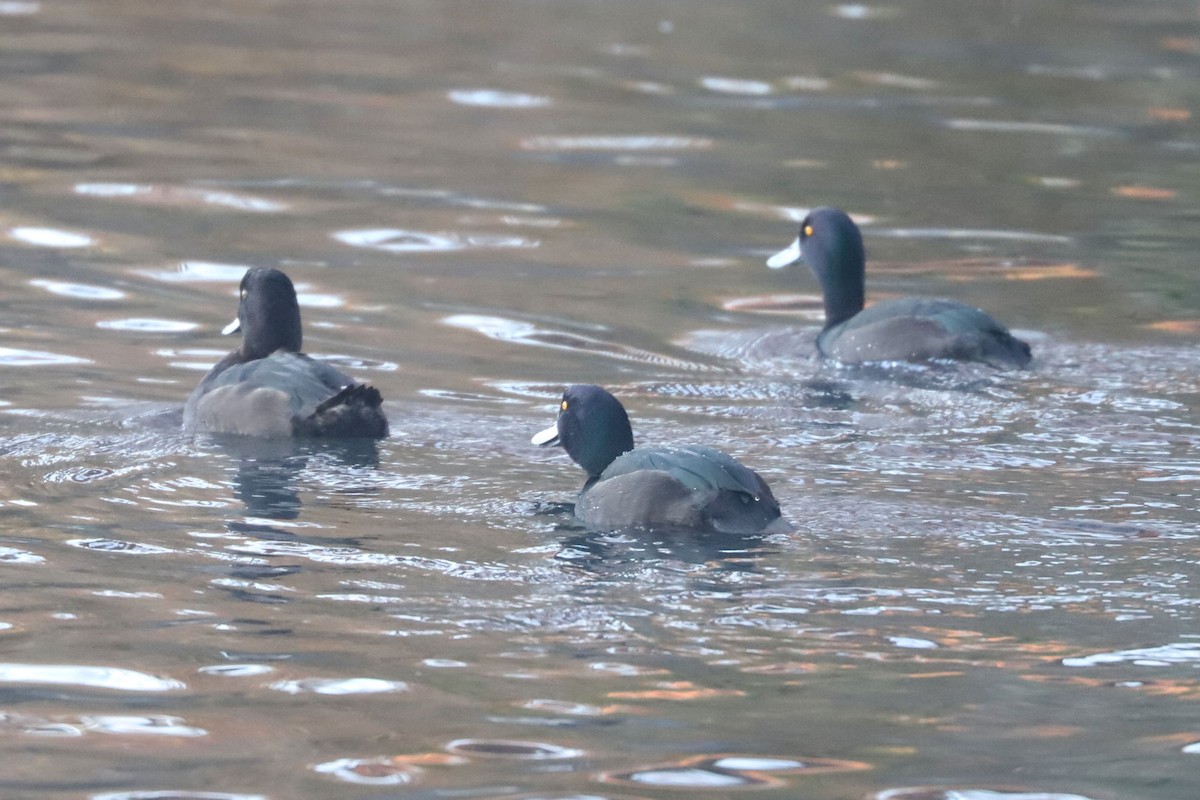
x: 969, y: 793
x: 51, y: 237
x: 976, y: 554
x: 267, y: 475
x: 608, y: 553
x: 731, y: 772
x: 379, y: 771
x: 116, y: 678
x: 175, y: 794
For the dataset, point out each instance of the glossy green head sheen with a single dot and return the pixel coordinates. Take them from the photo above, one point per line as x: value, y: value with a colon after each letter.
x: 268, y: 314
x: 592, y: 427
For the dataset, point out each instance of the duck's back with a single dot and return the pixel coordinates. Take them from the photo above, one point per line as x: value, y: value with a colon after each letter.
x: 284, y: 394
x: 685, y: 487
x: 921, y: 329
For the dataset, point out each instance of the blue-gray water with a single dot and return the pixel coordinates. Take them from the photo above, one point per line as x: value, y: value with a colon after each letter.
x: 992, y: 590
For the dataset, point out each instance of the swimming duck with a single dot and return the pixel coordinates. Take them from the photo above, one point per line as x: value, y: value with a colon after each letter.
x: 692, y: 487
x: 268, y: 388
x: 904, y: 329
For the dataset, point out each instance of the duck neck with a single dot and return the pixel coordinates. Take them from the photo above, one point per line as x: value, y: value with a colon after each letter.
x: 842, y: 303
x: 283, y: 333
x: 842, y: 285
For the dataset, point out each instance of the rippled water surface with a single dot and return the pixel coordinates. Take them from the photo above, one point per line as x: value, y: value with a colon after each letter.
x: 991, y: 593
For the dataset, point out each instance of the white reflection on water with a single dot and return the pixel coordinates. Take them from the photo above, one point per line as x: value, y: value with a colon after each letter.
x: 970, y: 233
x: 116, y: 546
x: 145, y: 325
x: 180, y: 195
x: 81, y: 291
x: 199, y: 272
x: 511, y: 748
x: 11, y: 555
x: 51, y: 237
x: 520, y: 332
x: 395, y: 240
x: 315, y: 300
x: 339, y: 686
x: 493, y: 98
x: 1021, y: 126
x: 758, y: 763
x: 647, y: 142
x: 237, y: 670
x: 12, y: 357
x: 19, y: 8
x: 380, y: 771
x: 937, y: 793
x: 124, y: 680
x: 157, y: 725
x: 1165, y: 655
x: 861, y: 11
x: 690, y: 777
x: 736, y: 86
x: 173, y: 794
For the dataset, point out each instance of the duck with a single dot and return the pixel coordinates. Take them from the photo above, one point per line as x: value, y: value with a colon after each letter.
x: 913, y: 329
x: 268, y: 388
x: 693, y: 488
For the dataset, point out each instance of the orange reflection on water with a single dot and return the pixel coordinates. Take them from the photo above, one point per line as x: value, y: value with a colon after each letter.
x: 1144, y: 192
x: 678, y: 690
x: 1181, y: 44
x: 1163, y: 114
x: 969, y: 269
x: 1188, y: 326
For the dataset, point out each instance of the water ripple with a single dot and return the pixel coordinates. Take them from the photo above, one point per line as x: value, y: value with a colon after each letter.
x: 494, y: 98
x: 174, y: 794
x: 509, y: 748
x: 199, y: 272
x: 966, y: 793
x: 339, y: 686
x: 51, y: 237
x: 519, y: 332
x: 736, y: 86
x: 617, y: 143
x: 237, y: 670
x: 79, y: 291
x: 730, y: 772
x: 152, y: 194
x: 146, y: 325
x: 1163, y: 656
x: 380, y: 771
x: 395, y: 240
x: 1026, y: 126
x: 12, y: 357
x: 11, y: 555
x: 124, y: 680
x: 124, y: 725
x: 19, y: 8
x: 118, y: 546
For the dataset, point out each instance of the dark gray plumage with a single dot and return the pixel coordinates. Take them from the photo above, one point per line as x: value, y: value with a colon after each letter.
x: 906, y: 329
x: 693, y: 487
x: 268, y: 388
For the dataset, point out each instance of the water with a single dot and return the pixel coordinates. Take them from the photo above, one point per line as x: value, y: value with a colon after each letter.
x: 991, y: 593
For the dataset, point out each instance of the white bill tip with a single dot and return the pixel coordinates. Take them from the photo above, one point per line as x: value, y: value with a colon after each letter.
x: 232, y: 327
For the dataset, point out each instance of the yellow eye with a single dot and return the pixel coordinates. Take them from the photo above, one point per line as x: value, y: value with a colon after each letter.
x: 808, y: 230
x: 564, y: 405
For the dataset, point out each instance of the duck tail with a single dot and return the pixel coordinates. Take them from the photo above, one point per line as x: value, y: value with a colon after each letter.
x: 354, y: 411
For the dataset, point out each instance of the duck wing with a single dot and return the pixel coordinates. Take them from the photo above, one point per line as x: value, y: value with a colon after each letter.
x: 920, y: 329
